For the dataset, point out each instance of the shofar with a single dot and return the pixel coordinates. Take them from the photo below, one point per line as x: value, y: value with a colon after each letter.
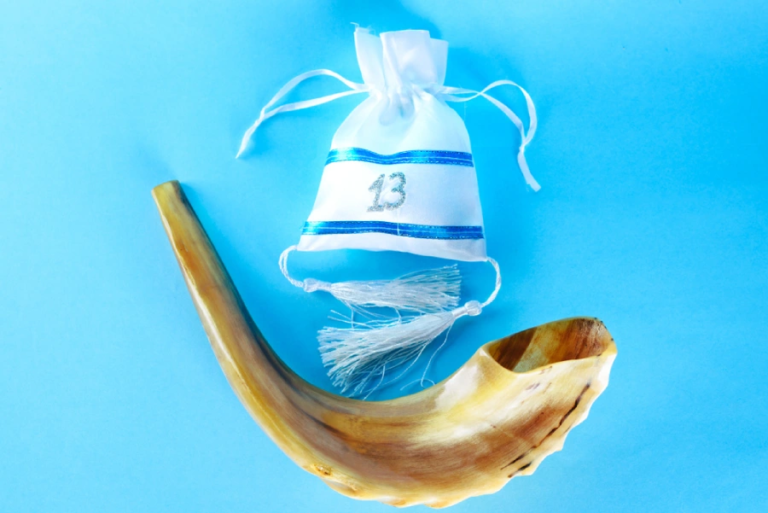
x: 498, y: 416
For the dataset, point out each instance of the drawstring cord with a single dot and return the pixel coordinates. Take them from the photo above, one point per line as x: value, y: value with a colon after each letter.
x: 355, y: 88
x: 451, y: 94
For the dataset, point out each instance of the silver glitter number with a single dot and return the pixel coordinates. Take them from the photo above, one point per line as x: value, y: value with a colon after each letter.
x: 400, y: 189
x: 377, y: 186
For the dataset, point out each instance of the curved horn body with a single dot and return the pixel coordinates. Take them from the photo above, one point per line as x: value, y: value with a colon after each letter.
x: 497, y: 417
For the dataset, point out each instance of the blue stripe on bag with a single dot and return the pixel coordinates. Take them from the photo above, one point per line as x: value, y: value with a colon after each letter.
x: 452, y: 158
x: 418, y: 231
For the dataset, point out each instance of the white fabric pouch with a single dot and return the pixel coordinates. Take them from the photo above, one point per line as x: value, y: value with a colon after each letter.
x: 399, y: 176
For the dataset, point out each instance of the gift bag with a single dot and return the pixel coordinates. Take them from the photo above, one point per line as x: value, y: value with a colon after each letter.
x: 399, y: 176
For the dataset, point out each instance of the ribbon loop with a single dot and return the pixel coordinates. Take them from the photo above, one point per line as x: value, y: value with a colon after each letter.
x: 265, y: 114
x: 454, y: 94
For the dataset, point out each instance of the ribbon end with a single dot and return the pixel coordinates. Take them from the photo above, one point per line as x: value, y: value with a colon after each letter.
x: 247, y: 137
x: 243, y: 145
x: 529, y: 179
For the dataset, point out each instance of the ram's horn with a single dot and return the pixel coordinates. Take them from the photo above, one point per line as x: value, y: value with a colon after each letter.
x: 497, y: 417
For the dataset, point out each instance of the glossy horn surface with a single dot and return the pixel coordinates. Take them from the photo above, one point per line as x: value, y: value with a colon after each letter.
x: 496, y: 417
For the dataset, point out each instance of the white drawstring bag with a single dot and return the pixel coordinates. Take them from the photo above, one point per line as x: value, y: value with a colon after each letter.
x: 400, y: 177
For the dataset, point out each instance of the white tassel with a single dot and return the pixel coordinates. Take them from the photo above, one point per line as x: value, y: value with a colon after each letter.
x: 430, y: 291
x: 361, y: 354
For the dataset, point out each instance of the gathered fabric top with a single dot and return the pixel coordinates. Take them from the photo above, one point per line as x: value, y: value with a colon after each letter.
x: 395, y: 62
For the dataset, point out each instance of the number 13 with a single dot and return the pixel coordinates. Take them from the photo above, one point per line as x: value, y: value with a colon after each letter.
x: 378, y: 185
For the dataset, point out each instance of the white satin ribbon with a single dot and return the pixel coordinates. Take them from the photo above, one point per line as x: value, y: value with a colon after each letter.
x: 450, y: 94
x: 355, y: 88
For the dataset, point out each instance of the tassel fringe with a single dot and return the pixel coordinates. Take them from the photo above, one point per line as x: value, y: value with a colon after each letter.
x: 358, y: 357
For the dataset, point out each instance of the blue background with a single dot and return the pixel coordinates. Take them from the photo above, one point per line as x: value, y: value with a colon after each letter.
x: 652, y: 153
